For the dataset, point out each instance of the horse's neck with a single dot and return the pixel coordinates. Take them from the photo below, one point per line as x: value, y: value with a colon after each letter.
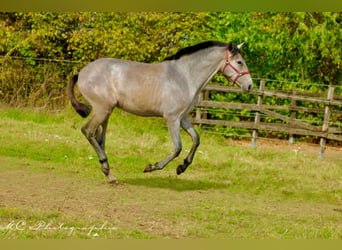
x: 199, y: 68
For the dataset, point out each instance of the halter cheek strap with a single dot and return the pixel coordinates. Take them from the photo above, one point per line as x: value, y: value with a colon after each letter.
x: 238, y: 72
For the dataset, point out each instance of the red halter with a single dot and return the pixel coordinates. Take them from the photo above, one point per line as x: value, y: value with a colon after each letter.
x: 238, y: 72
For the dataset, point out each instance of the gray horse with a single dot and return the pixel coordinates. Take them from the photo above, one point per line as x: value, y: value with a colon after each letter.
x: 167, y: 89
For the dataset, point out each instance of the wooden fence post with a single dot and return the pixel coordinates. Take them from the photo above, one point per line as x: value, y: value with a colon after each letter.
x: 257, y: 114
x: 198, y: 109
x: 292, y: 116
x: 325, y: 127
x: 205, y: 98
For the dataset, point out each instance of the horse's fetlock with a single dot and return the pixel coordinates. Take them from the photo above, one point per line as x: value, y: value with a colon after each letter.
x: 186, y: 162
x: 105, y: 170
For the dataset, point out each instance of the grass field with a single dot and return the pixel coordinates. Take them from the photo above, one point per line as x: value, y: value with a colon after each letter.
x: 51, y: 185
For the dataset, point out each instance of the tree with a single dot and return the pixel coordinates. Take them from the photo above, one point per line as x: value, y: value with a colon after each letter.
x: 303, y: 47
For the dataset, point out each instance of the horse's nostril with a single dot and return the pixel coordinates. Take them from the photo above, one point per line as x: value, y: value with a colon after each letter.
x: 250, y: 87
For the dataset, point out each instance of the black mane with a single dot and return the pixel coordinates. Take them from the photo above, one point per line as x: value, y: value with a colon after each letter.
x: 192, y: 49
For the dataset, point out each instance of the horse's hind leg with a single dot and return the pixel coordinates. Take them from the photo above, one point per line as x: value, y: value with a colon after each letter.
x: 187, y: 126
x: 101, y: 134
x: 95, y: 130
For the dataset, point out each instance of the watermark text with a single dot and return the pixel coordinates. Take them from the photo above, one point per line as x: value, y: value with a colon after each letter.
x: 22, y: 225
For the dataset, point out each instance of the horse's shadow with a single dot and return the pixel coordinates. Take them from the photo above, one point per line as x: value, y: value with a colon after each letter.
x: 176, y: 184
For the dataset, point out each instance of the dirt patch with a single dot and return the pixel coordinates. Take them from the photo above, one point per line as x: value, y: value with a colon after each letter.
x: 44, y: 191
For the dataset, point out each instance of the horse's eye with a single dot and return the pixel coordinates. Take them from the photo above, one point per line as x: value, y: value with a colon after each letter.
x: 239, y: 62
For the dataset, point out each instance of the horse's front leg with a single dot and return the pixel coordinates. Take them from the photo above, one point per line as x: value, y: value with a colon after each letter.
x: 174, y: 130
x: 187, y: 126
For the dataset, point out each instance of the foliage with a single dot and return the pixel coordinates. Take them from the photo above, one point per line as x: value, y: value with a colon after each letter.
x: 297, y: 46
x: 287, y: 47
x: 87, y: 36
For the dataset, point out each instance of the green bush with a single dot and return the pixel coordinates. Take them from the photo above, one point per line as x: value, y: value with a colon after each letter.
x: 39, y: 51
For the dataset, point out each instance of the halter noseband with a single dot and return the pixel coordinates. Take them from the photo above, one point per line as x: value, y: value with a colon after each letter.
x: 238, y: 72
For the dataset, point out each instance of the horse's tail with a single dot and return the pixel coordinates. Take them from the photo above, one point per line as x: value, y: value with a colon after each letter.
x: 80, y: 108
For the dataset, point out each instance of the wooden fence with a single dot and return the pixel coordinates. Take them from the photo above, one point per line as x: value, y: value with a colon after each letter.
x: 329, y: 130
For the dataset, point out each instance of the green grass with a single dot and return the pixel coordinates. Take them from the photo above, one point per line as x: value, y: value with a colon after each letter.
x: 50, y: 174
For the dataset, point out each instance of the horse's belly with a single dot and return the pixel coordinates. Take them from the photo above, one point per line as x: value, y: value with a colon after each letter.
x: 141, y: 107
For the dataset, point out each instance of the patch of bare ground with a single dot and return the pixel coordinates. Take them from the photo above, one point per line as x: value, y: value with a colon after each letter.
x: 71, y: 196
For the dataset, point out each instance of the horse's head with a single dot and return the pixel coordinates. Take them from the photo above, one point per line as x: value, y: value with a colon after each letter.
x: 235, y: 68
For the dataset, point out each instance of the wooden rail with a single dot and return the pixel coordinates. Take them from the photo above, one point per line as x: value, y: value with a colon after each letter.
x: 332, y: 105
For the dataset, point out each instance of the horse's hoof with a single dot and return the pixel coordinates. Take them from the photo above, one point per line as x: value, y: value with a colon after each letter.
x: 180, y: 169
x: 112, y: 179
x: 148, y: 168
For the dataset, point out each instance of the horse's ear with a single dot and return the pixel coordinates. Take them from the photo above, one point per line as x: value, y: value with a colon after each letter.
x: 240, y: 45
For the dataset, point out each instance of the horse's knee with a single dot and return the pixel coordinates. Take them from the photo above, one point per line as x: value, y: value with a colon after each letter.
x: 197, y: 140
x: 178, y: 150
x: 195, y: 137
